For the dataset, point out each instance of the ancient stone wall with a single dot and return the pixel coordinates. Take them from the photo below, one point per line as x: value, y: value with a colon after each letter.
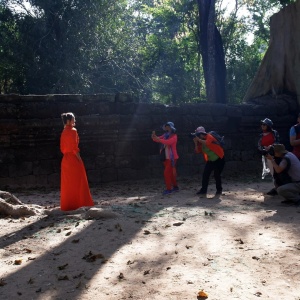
x: 115, y: 134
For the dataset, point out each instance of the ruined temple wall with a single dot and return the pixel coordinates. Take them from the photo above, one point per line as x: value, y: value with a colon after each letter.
x: 115, y: 134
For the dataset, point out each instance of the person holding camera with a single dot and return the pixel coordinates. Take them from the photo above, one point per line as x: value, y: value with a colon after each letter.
x: 169, y: 156
x: 213, y: 154
x: 290, y: 164
x: 267, y: 138
x: 295, y: 137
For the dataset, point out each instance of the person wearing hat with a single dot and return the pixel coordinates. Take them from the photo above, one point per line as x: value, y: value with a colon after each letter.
x: 295, y: 137
x: 168, y: 143
x: 267, y: 138
x: 289, y: 191
x: 213, y: 154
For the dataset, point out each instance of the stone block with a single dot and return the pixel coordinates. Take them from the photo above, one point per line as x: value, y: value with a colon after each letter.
x: 8, y: 110
x: 109, y: 174
x: 125, y: 108
x: 123, y: 148
x: 5, y: 141
x: 218, y: 110
x: 4, y: 170
x: 105, y: 161
x: 9, y: 126
x: 20, y: 169
x: 54, y: 180
x: 127, y: 174
x: 158, y: 172
x: 95, y: 108
x: 94, y: 98
x: 139, y: 162
x: 147, y: 147
x: 123, y: 98
x: 106, y: 148
x: 144, y: 173
x: 46, y: 167
x: 89, y: 162
x: 94, y: 176
x: 144, y: 109
x: 123, y: 162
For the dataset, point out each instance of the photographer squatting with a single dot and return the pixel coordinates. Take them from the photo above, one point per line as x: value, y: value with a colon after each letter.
x: 290, y: 166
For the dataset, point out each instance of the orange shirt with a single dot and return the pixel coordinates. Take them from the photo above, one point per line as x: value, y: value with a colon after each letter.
x: 211, y: 143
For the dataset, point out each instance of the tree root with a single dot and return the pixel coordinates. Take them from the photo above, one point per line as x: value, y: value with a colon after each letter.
x: 10, y: 205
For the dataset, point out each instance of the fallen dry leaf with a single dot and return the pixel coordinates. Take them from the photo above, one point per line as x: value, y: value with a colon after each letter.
x: 202, y: 295
x: 147, y: 272
x: 62, y: 267
x: 18, y: 262
x: 178, y: 224
x: 240, y: 241
x: 2, y: 282
x: 30, y: 281
x: 90, y: 257
x: 63, y: 277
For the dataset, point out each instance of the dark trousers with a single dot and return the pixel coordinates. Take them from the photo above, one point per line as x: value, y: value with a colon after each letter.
x: 217, y: 166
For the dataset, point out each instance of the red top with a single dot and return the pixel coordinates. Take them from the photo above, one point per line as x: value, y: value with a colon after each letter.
x: 267, y: 140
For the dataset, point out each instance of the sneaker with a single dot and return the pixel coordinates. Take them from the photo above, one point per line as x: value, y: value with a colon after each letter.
x: 219, y: 192
x: 287, y: 202
x: 272, y: 192
x: 297, y: 203
x: 175, y: 189
x: 167, y: 192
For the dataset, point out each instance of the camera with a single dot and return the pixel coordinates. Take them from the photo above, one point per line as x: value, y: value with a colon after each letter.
x: 193, y: 135
x: 270, y: 151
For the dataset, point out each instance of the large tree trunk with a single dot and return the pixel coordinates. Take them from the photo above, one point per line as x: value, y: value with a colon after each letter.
x: 279, y: 72
x: 212, y: 52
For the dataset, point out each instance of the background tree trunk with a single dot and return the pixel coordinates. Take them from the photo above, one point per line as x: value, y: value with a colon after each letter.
x: 212, y: 52
x: 279, y: 72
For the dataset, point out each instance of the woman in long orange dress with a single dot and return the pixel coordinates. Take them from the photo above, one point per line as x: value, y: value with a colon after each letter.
x: 75, y: 190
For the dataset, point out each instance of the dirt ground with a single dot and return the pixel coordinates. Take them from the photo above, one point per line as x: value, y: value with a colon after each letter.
x: 240, y: 245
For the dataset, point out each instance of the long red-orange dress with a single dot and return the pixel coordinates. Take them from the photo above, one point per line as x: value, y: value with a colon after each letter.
x: 74, y: 186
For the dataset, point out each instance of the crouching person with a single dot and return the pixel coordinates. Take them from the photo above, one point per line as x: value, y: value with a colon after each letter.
x: 289, y: 164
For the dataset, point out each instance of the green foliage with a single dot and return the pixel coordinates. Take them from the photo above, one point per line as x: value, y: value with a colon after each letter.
x: 144, y: 47
x: 73, y: 46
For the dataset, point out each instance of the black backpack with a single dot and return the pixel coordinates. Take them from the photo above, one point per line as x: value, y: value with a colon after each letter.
x: 220, y: 139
